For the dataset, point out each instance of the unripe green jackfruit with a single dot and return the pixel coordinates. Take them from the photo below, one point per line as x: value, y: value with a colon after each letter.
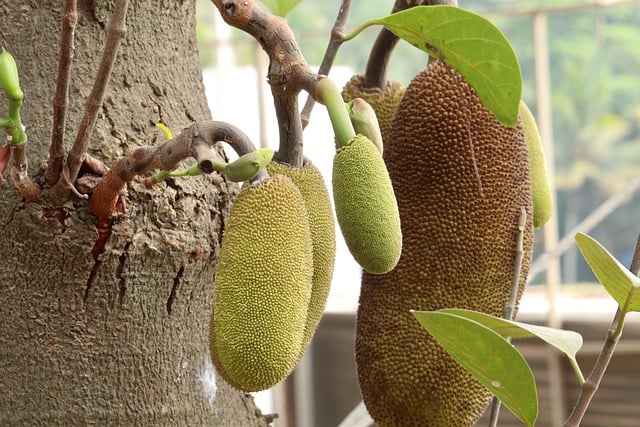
x: 540, y: 186
x: 384, y: 101
x: 366, y: 206
x: 262, y: 286
x: 323, y: 236
x: 461, y: 180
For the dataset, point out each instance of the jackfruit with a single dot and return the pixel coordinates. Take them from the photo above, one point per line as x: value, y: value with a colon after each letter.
x: 540, y: 186
x: 365, y: 206
x: 461, y: 180
x: 384, y: 101
x: 323, y: 236
x: 262, y: 286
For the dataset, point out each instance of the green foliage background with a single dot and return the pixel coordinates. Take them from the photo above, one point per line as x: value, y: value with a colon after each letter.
x: 594, y: 60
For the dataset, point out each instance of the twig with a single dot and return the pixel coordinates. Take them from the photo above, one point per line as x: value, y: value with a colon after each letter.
x: 288, y: 70
x: 61, y: 98
x: 375, y: 74
x: 510, y: 308
x: 335, y: 41
x: 591, y: 385
x: 115, y: 35
x: 19, y: 166
x: 165, y: 156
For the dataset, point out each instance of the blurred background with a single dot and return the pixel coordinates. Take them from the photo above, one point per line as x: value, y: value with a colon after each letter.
x: 580, y: 62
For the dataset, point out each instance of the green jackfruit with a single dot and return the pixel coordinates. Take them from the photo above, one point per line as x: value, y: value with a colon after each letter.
x: 540, y: 186
x: 262, y: 286
x: 461, y: 180
x: 384, y: 101
x: 323, y: 236
x: 366, y: 207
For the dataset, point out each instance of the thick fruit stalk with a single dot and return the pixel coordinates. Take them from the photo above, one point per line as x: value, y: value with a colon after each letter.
x: 461, y: 180
x: 263, y: 286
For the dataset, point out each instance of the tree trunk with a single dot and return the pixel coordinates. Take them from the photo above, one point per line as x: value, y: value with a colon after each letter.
x: 113, y: 335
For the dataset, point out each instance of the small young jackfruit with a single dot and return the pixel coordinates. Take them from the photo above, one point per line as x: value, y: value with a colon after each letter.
x: 384, y: 101
x: 366, y: 206
x: 540, y: 186
x: 323, y: 236
x: 262, y: 286
x: 461, y: 180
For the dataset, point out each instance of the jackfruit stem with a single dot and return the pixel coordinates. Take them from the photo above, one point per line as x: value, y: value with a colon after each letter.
x: 375, y: 74
x: 509, y: 309
x: 327, y: 93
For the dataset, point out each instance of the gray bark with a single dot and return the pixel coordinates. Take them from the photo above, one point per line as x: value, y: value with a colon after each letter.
x: 119, y: 338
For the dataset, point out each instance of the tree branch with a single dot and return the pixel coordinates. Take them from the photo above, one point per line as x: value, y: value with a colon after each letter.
x: 61, y: 98
x: 19, y: 167
x: 193, y: 141
x: 375, y: 75
x: 115, y: 35
x: 591, y: 385
x: 288, y: 70
x: 335, y: 41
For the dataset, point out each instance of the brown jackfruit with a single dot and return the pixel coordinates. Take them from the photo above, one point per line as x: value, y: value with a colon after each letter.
x: 461, y: 180
x: 262, y: 286
x: 384, y: 101
x: 309, y: 180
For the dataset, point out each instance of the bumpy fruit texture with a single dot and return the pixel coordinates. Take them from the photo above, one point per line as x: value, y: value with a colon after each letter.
x: 323, y: 237
x: 461, y: 180
x: 384, y: 101
x: 540, y: 186
x: 263, y: 286
x: 366, y: 206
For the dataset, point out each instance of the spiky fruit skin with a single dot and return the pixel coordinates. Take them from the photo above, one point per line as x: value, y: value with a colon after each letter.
x: 384, y: 101
x: 365, y: 206
x: 540, y: 186
x: 461, y: 180
x: 309, y: 180
x: 263, y: 286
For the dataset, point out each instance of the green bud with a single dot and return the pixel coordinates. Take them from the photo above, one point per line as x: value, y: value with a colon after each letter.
x: 364, y: 121
x: 248, y: 165
x: 9, y: 77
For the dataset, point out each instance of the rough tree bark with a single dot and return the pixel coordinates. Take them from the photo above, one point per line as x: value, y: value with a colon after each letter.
x: 115, y: 336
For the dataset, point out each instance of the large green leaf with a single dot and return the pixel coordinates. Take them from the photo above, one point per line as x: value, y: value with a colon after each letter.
x: 621, y: 284
x: 280, y: 7
x: 568, y: 342
x: 489, y: 357
x: 469, y: 43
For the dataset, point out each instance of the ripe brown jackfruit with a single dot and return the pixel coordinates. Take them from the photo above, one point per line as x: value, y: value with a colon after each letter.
x: 384, y: 101
x: 461, y: 180
x: 323, y: 236
x: 365, y: 206
x: 262, y: 286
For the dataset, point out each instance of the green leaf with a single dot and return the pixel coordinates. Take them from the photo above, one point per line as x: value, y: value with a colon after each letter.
x: 621, y: 284
x: 469, y: 43
x: 280, y: 7
x: 568, y: 342
x: 489, y: 357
